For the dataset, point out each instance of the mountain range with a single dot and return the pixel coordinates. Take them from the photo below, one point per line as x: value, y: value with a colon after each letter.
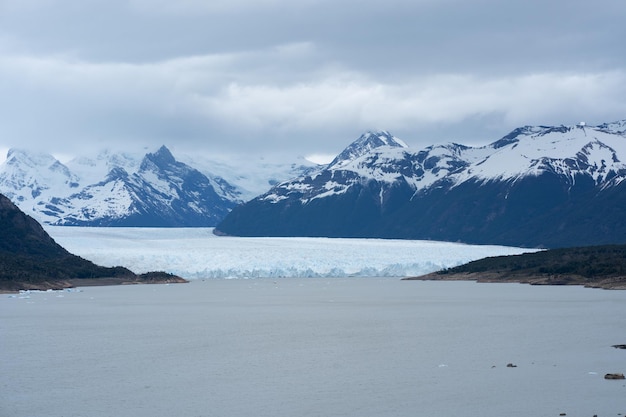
x: 132, y: 189
x: 538, y: 186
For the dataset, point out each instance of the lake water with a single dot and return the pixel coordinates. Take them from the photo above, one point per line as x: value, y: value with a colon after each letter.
x: 313, y: 347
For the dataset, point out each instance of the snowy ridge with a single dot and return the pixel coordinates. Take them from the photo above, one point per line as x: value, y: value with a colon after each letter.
x: 162, y: 192
x: 365, y: 144
x: 127, y: 188
x: 28, y: 176
x: 94, y: 168
x: 538, y: 186
x: 373, y: 155
x: 568, y: 151
x: 619, y: 126
x: 197, y: 253
x: 596, y: 152
x: 44, y: 187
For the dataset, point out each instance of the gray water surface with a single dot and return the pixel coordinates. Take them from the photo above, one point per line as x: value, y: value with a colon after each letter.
x: 313, y: 347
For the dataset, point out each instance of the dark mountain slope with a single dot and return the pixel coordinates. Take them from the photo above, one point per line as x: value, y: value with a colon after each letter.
x: 22, y: 235
x: 355, y: 213
x: 31, y: 259
x: 540, y: 211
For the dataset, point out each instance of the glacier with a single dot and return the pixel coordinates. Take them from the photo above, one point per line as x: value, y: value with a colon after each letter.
x: 196, y: 253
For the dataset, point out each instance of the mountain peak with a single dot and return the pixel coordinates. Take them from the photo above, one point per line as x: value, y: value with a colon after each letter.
x: 364, y: 144
x: 163, y: 154
x: 161, y: 158
x: 377, y: 139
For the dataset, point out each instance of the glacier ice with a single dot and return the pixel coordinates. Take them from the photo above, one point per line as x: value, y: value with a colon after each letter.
x: 196, y: 253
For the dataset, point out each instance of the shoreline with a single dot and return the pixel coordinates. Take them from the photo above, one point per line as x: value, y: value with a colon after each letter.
x: 611, y: 283
x: 14, y: 287
x: 614, y: 283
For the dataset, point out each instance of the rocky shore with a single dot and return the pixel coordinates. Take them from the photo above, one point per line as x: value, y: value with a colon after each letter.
x: 590, y: 266
x: 612, y: 283
x: 60, y: 284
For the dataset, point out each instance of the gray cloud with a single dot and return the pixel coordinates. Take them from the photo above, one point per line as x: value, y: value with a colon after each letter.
x: 301, y: 77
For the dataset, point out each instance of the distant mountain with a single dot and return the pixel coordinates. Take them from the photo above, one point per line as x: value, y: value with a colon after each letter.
x: 31, y: 259
x: 125, y: 189
x: 537, y: 186
x: 162, y: 192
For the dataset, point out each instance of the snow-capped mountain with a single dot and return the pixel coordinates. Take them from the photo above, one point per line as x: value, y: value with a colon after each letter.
x: 126, y: 189
x: 162, y: 192
x: 28, y: 175
x: 537, y: 186
x: 364, y: 144
x: 112, y: 190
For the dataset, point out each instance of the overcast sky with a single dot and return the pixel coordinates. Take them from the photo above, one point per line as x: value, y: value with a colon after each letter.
x: 302, y: 77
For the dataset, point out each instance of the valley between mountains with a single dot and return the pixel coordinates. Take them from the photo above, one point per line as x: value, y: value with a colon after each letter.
x: 536, y: 187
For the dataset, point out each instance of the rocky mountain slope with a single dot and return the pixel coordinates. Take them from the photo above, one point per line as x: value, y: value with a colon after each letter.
x: 31, y: 259
x: 537, y: 186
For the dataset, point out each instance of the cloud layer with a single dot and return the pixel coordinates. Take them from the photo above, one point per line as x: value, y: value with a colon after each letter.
x: 273, y: 76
